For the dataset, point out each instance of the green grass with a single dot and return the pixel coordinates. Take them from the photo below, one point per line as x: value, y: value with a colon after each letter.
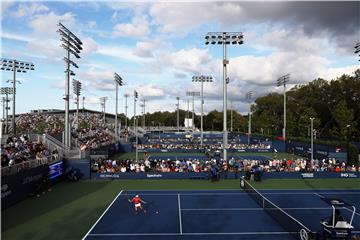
x: 131, y: 155
x: 71, y: 209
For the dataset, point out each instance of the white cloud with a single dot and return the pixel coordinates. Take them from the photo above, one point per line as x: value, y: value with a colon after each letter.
x: 47, y: 23
x: 15, y: 36
x: 120, y: 52
x: 150, y: 91
x: 48, y: 49
x: 145, y: 49
x: 333, y: 73
x: 192, y: 60
x: 25, y: 10
x: 181, y: 18
x: 139, y: 27
x: 89, y: 46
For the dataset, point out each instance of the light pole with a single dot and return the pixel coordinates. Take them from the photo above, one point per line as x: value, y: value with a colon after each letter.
x: 248, y: 97
x: 135, y: 127
x: 193, y: 94
x: 77, y: 91
x: 282, y: 81
x: 224, y: 38
x: 357, y: 49
x: 187, y: 113
x: 312, y: 140
x: 178, y: 114
x: 143, y: 106
x: 83, y: 103
x: 72, y: 44
x: 118, y: 82
x: 231, y: 116
x: 126, y: 108
x: 15, y: 66
x: 348, y: 142
x: 6, y: 91
x: 202, y: 79
x: 103, y: 105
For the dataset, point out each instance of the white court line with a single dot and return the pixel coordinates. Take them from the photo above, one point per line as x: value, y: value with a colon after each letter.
x: 88, y: 233
x: 242, y: 193
x: 190, y: 234
x: 180, y: 223
x: 250, y: 209
x: 350, y: 210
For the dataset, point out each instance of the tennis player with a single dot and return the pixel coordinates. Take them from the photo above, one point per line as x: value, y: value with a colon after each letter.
x: 138, y: 204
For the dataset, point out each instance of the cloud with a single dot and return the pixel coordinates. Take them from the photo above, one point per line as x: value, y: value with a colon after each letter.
x: 120, y: 52
x: 47, y: 23
x: 145, y: 49
x: 150, y: 91
x: 89, y: 46
x: 192, y: 60
x: 15, y: 36
x: 181, y: 18
x: 25, y: 10
x: 5, y: 6
x: 138, y: 27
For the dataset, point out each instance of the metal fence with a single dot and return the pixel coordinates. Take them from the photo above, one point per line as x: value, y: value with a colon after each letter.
x: 6, y: 171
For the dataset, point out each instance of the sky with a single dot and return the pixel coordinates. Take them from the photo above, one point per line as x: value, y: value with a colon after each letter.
x: 156, y: 47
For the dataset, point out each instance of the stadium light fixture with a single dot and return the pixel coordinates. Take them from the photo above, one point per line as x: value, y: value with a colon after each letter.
x: 248, y: 97
x: 178, y: 114
x: 73, y: 46
x: 202, y: 79
x: 126, y: 108
x: 6, y: 91
x: 357, y: 49
x: 15, y: 66
x: 224, y: 39
x: 312, y: 140
x: 193, y: 94
x: 103, y: 106
x: 136, y: 95
x: 282, y: 81
x: 77, y: 92
x: 118, y: 82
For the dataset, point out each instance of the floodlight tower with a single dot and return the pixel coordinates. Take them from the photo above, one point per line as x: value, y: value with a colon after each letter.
x: 135, y: 125
x: 6, y: 91
x: 143, y: 105
x: 177, y: 114
x: 282, y: 81
x: 357, y: 49
x: 15, y: 66
x: 118, y: 82
x: 202, y: 79
x: 248, y: 97
x: 193, y: 94
x: 83, y: 103
x: 72, y: 44
x: 312, y: 140
x: 224, y: 39
x: 103, y: 105
x: 77, y: 91
x: 126, y: 108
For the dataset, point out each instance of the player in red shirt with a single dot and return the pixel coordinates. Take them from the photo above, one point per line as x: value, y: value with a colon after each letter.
x: 138, y: 204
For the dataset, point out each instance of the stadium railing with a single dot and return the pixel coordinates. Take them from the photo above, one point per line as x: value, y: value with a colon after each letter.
x: 16, y: 168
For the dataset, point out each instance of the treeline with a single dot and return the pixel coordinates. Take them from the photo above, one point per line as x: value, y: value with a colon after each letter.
x: 334, y: 104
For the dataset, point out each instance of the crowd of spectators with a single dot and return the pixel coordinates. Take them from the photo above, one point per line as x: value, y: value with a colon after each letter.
x: 19, y: 149
x: 196, y: 145
x: 204, y: 165
x: 92, y: 131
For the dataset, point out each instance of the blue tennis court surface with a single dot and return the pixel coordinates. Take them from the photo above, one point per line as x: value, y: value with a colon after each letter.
x: 220, y: 214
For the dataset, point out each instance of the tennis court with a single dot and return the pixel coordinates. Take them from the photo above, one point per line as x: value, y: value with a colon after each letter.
x: 218, y: 214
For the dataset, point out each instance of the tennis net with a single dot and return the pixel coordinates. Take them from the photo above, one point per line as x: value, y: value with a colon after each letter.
x: 288, y: 222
